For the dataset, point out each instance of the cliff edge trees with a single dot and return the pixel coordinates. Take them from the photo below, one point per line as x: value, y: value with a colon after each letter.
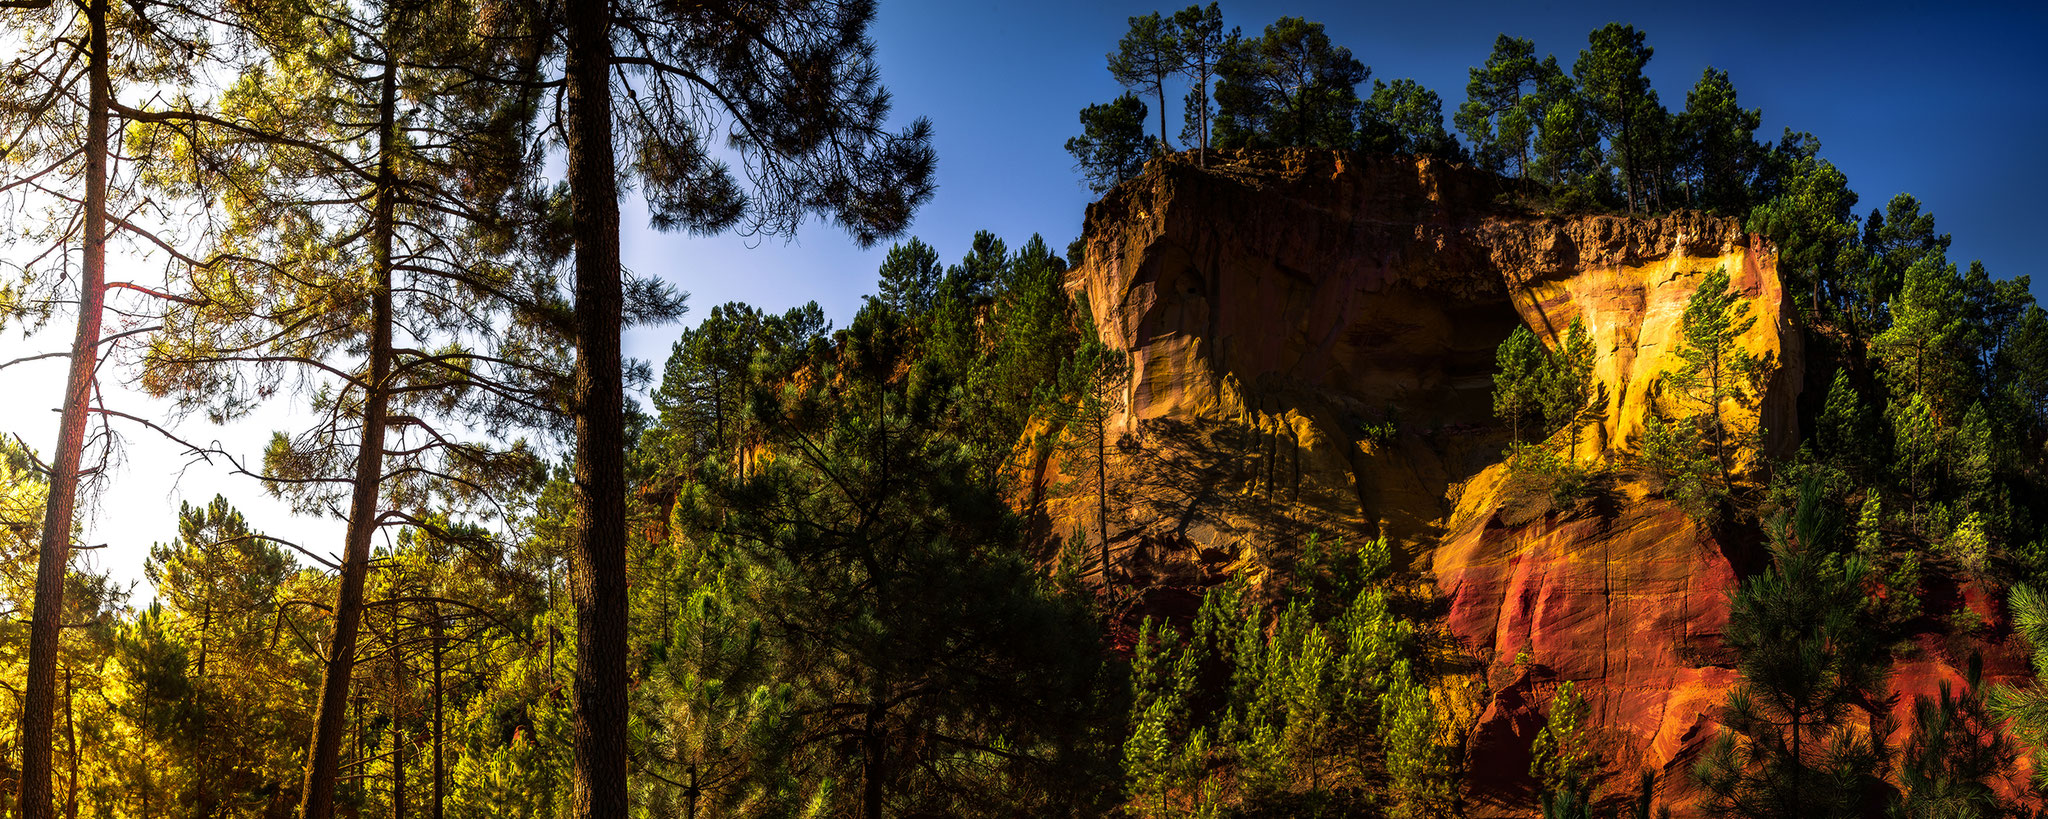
x: 1591, y: 135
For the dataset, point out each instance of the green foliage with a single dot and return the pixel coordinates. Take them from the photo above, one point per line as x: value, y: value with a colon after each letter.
x: 1848, y: 432
x: 1094, y: 377
x: 1714, y: 372
x: 1201, y: 47
x: 911, y: 273
x: 2021, y: 361
x: 1419, y: 772
x: 1807, y: 660
x: 887, y: 581
x: 206, y: 654
x: 705, y: 385
x: 1539, y: 479
x: 1895, y: 239
x: 1551, y: 391
x: 1519, y: 386
x: 1567, y: 152
x: 1900, y: 567
x: 1250, y: 713
x: 1288, y: 87
x: 1561, y: 756
x: 1570, y: 397
x: 1147, y: 56
x: 1405, y: 118
x: 1618, y: 96
x: 1159, y: 765
x: 708, y: 715
x: 1968, y: 545
x: 1719, y: 144
x: 1505, y: 102
x: 1956, y: 756
x: 1919, y: 444
x: 2026, y: 706
x: 1112, y: 146
x: 1548, y: 390
x: 1808, y: 210
x: 1927, y: 349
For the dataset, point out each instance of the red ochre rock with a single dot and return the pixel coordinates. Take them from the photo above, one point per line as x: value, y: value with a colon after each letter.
x: 1311, y: 338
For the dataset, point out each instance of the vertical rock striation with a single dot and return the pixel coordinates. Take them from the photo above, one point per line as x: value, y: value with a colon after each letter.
x: 1312, y: 338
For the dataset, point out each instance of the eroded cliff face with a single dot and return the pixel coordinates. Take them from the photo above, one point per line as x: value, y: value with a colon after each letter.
x: 1312, y: 338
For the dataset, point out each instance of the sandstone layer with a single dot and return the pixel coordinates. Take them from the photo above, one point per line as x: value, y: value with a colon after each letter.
x: 1312, y: 337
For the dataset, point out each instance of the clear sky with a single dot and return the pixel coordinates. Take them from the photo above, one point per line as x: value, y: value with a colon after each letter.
x: 1948, y: 101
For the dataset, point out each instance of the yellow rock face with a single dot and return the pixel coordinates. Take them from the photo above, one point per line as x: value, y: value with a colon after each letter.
x: 1312, y: 339
x: 1634, y: 314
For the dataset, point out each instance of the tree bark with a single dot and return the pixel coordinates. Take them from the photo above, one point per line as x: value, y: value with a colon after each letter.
x: 397, y: 731
x: 874, y: 767
x: 1102, y: 486
x: 323, y: 760
x: 71, y: 749
x: 440, y: 767
x: 597, y: 560
x: 39, y: 698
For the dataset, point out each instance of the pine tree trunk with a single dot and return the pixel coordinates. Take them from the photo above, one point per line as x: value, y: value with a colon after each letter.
x: 597, y: 560
x: 71, y: 749
x: 1161, y: 85
x: 872, y: 768
x: 323, y: 763
x: 39, y: 697
x: 397, y: 733
x: 440, y: 767
x: 1102, y: 488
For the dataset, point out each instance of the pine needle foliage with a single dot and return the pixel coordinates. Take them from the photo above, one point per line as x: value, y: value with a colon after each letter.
x: 1807, y: 662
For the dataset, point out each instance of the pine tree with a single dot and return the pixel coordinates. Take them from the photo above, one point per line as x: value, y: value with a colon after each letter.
x: 1518, y: 386
x: 1719, y: 147
x: 1809, y: 211
x: 1570, y: 397
x: 1807, y: 660
x: 2022, y: 365
x: 1956, y: 755
x: 1926, y: 349
x: 1618, y: 95
x: 1714, y: 369
x: 60, y: 164
x: 1567, y: 151
x: 886, y: 573
x: 910, y: 277
x: 217, y: 589
x: 705, y: 386
x: 1200, y: 47
x: 1501, y: 108
x: 1405, y: 118
x: 1419, y: 773
x: 1288, y: 87
x: 1920, y: 444
x: 809, y: 134
x: 1147, y: 56
x: 1561, y: 757
x: 1847, y: 431
x: 2026, y: 706
x: 1099, y: 374
x: 375, y: 197
x: 1112, y: 145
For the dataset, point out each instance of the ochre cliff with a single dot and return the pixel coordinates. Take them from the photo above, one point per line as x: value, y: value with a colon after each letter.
x: 1312, y: 338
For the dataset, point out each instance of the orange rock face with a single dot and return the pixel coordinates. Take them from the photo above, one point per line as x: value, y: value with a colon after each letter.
x: 1312, y: 337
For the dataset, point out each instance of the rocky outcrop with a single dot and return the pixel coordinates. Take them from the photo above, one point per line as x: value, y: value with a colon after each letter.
x: 1312, y: 338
